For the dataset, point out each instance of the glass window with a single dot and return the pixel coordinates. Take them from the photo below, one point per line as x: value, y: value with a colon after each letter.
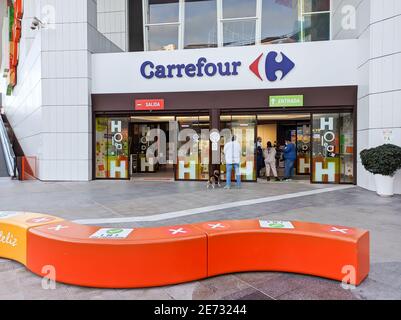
x: 101, y: 147
x: 316, y: 5
x: 239, y: 8
x: 303, y: 149
x: 239, y: 33
x: 162, y: 24
x: 112, y: 159
x: 162, y: 11
x: 333, y: 148
x: 347, y: 147
x: 326, y: 148
x: 162, y: 37
x: 200, y: 24
x: 280, y: 21
x: 317, y: 27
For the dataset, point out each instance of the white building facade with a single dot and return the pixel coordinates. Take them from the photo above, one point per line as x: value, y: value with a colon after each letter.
x: 94, y: 60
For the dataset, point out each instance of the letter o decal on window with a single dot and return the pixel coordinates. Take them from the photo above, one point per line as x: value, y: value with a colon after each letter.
x: 118, y: 137
x: 331, y: 135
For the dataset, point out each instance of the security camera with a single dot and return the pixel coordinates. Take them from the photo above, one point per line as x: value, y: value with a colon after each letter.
x: 36, y: 23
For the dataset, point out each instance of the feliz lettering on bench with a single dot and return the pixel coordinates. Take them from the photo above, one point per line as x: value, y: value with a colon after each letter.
x: 8, y: 238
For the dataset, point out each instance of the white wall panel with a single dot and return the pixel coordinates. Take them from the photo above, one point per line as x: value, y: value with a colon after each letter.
x: 112, y: 21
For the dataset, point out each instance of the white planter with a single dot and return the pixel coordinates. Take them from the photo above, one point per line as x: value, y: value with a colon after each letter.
x: 384, y: 185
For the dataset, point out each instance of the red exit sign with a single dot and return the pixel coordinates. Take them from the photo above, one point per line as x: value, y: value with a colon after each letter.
x: 149, y: 104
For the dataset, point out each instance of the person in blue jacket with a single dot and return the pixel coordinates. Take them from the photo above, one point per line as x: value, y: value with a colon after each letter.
x: 290, y: 155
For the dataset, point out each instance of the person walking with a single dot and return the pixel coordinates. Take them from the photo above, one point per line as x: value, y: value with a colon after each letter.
x: 270, y: 161
x: 232, y: 153
x: 260, y: 163
x: 290, y: 155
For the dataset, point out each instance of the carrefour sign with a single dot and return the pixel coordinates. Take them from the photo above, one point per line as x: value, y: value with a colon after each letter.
x: 291, y: 65
x: 204, y: 68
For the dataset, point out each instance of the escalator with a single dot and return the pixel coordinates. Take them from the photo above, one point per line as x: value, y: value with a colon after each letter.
x: 3, y: 166
x: 8, y: 161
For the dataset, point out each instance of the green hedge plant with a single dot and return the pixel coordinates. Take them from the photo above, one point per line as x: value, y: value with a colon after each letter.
x: 384, y: 160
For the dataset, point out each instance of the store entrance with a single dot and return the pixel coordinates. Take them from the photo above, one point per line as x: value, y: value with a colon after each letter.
x: 143, y: 166
x: 129, y: 147
x: 276, y: 129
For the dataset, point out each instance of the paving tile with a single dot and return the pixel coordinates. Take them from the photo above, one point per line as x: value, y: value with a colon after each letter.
x: 247, y: 294
x: 102, y: 199
x: 144, y: 294
x: 184, y: 291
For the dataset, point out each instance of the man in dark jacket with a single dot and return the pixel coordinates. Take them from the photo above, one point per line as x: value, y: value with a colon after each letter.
x: 260, y: 161
x: 290, y: 155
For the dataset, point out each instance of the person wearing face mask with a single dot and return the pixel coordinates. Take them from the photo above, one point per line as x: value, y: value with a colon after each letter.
x: 290, y: 155
x: 260, y: 162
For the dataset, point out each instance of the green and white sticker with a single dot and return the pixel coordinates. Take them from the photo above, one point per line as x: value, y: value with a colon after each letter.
x: 273, y: 224
x: 111, y: 233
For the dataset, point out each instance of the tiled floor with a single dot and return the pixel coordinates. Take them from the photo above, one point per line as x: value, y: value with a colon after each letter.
x: 105, y: 199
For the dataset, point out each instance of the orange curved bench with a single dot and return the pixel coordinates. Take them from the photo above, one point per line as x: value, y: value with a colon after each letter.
x: 146, y: 257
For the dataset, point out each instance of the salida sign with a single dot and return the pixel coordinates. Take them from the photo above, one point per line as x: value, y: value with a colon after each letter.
x: 149, y: 104
x: 203, y: 68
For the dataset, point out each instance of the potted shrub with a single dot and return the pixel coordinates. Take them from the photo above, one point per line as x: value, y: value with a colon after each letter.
x: 384, y: 162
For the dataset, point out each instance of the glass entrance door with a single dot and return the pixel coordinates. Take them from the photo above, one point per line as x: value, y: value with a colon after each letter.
x: 193, y: 148
x: 149, y: 147
x: 244, y: 128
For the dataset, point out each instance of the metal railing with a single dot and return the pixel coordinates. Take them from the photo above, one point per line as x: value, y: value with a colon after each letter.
x: 11, y: 160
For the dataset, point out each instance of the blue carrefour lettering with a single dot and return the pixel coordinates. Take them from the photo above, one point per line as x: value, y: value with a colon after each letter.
x: 200, y: 68
x: 143, y: 70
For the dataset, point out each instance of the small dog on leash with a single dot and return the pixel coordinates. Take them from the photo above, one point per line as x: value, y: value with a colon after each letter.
x: 214, y: 180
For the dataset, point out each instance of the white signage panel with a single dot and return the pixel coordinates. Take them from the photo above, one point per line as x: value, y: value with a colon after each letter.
x: 296, y: 65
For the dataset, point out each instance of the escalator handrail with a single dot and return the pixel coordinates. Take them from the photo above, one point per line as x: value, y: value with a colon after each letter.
x: 8, y: 150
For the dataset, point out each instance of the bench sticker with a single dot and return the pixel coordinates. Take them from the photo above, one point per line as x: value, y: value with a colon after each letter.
x: 270, y: 224
x: 109, y: 233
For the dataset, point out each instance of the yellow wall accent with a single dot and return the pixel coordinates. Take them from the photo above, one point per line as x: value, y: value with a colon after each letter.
x: 268, y: 132
x: 13, y: 232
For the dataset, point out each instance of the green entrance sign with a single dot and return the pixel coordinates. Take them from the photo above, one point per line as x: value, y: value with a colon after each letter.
x: 286, y: 101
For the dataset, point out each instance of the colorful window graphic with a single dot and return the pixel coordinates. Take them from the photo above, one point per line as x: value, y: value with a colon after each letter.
x: 15, y: 14
x: 193, y: 148
x: 112, y: 156
x: 303, y: 149
x: 333, y: 151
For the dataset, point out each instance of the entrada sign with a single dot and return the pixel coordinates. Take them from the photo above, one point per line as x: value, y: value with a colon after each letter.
x: 286, y: 101
x: 203, y: 68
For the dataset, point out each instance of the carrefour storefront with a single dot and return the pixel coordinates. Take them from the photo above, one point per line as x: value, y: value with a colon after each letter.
x: 155, y: 103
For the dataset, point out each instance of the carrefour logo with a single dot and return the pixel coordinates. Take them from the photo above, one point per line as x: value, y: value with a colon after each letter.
x: 200, y: 68
x: 272, y: 65
x: 204, y: 68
